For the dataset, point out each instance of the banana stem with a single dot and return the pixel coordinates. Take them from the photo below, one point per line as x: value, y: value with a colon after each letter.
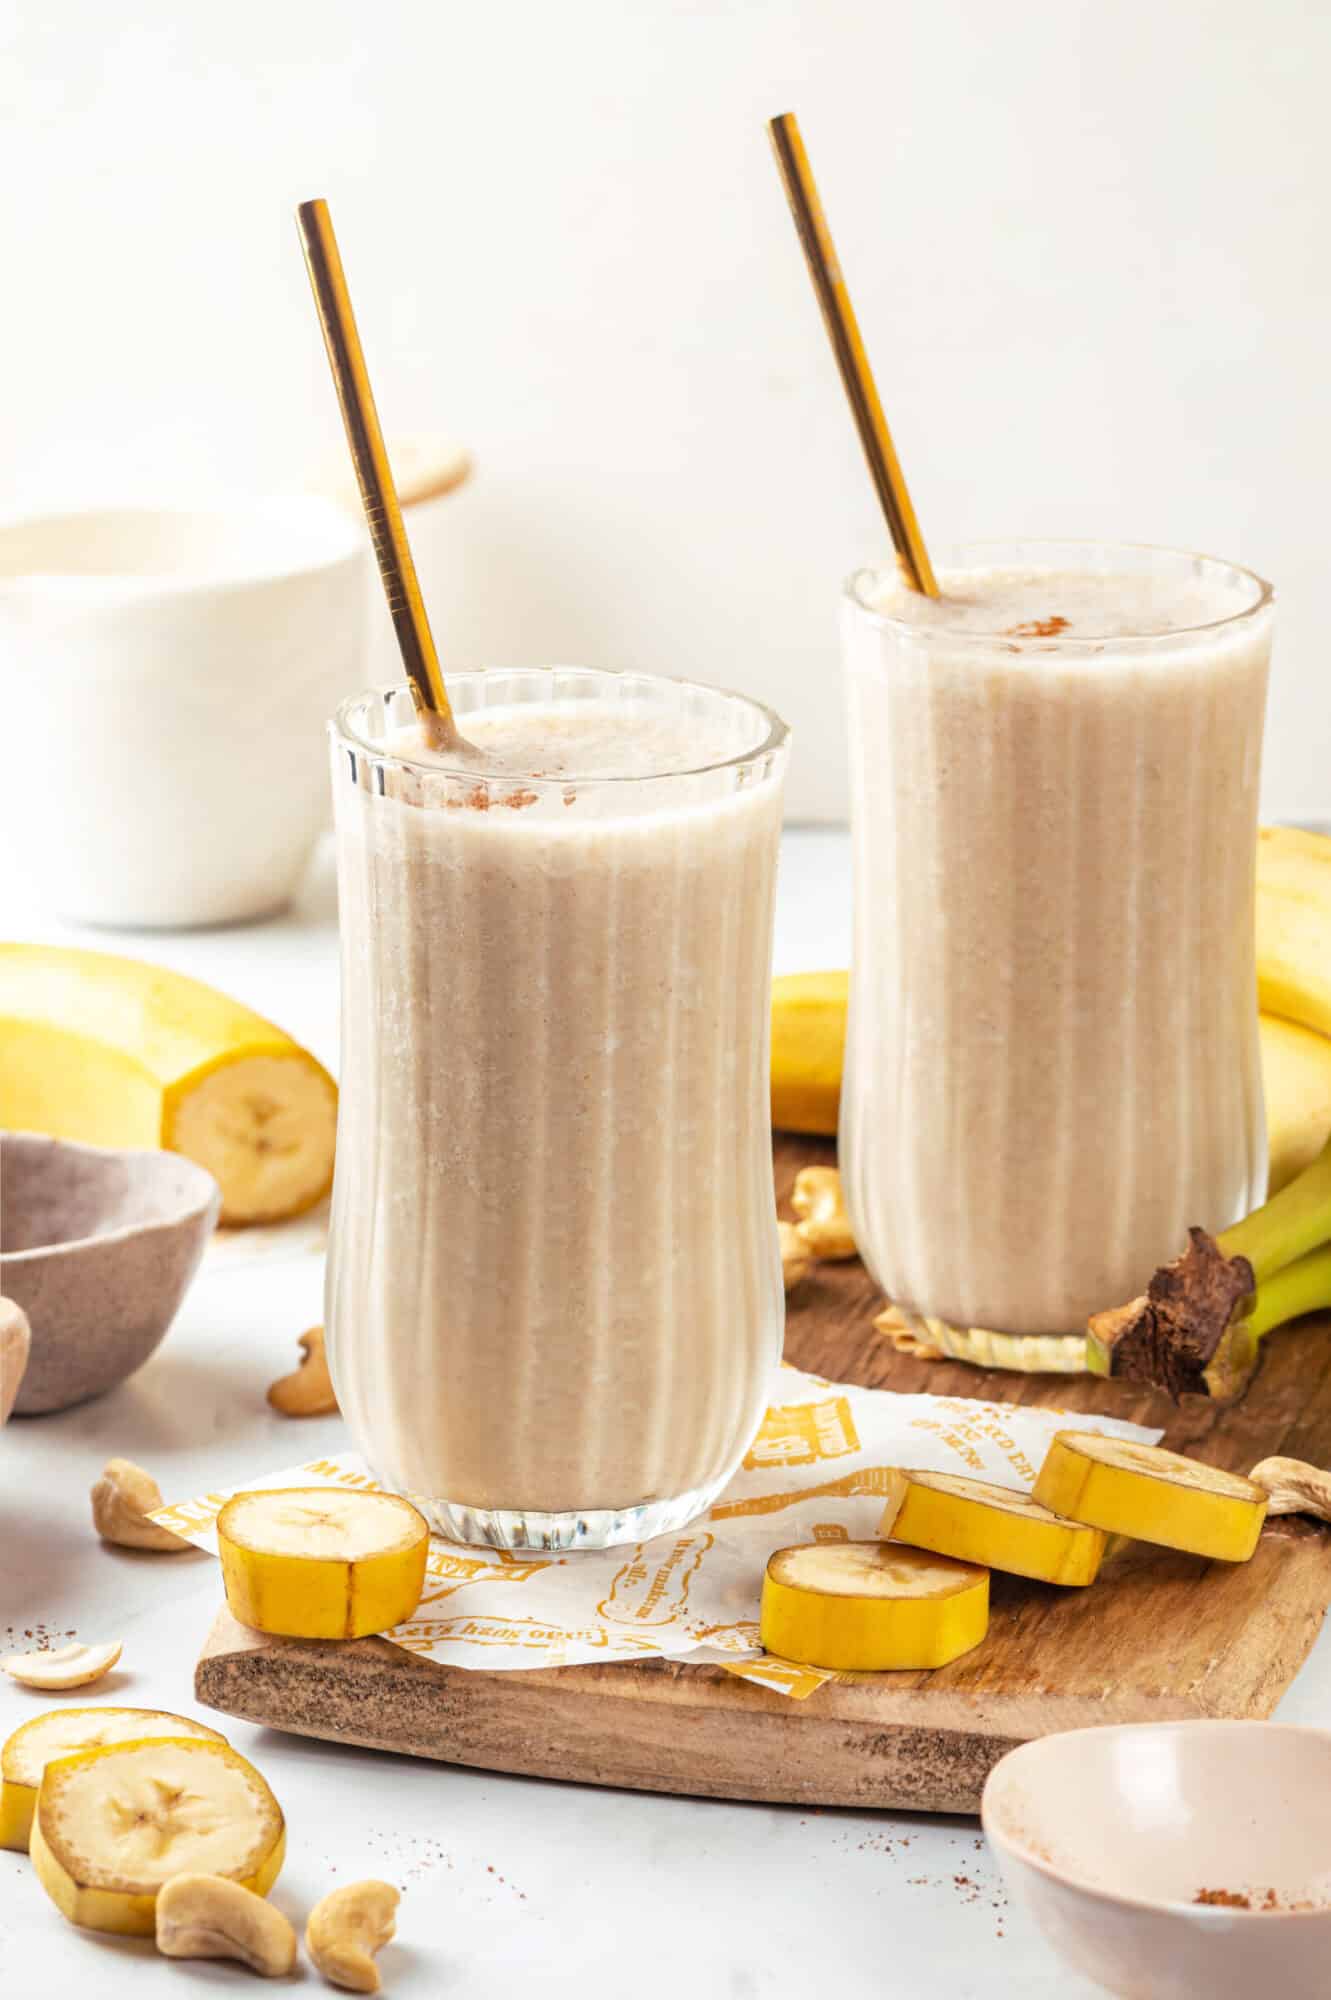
x: 1302, y: 1287
x: 1287, y: 1227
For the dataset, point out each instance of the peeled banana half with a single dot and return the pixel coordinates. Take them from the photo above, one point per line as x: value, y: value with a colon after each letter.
x: 114, y: 1052
x: 60, y: 1733
x: 113, y: 1824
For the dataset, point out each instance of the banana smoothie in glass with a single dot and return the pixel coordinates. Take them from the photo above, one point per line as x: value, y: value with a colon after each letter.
x: 1052, y: 1061
x: 554, y: 1297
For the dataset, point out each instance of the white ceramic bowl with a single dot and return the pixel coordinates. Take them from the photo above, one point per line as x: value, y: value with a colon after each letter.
x: 166, y: 674
x: 1108, y: 1836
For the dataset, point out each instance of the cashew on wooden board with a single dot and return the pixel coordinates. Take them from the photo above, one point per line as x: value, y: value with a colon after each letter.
x: 1295, y: 1488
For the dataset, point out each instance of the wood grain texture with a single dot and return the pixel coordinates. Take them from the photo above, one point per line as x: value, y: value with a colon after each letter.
x: 1159, y: 1636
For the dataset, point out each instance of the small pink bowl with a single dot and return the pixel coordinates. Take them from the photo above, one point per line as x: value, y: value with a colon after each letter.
x: 1108, y: 1837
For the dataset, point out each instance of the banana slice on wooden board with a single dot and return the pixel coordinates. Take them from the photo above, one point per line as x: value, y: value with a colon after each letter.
x: 980, y: 1523
x: 1152, y: 1495
x: 113, y: 1825
x: 314, y: 1562
x: 61, y: 1732
x: 871, y: 1605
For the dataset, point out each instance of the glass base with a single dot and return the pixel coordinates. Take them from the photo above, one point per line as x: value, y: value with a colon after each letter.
x: 587, y: 1528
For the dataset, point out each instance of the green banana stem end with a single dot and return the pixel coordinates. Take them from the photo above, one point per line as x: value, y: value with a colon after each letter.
x: 1285, y: 1228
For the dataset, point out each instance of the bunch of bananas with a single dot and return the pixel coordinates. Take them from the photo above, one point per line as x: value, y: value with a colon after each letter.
x: 1294, y: 988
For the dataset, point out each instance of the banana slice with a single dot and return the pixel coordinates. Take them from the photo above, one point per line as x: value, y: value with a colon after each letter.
x: 1153, y: 1495
x: 317, y: 1563
x: 60, y: 1732
x: 980, y: 1523
x: 62, y: 1666
x: 113, y: 1824
x: 867, y: 1605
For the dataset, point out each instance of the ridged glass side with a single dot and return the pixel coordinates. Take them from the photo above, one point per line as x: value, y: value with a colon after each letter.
x: 1052, y: 1067
x: 554, y: 1297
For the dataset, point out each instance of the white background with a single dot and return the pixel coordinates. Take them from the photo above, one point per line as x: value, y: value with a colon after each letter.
x: 1088, y: 243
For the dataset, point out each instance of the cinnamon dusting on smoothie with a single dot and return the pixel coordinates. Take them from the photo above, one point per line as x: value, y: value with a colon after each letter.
x: 479, y: 800
x: 1038, y: 628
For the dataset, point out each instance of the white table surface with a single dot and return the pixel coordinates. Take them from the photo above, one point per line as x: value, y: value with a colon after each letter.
x: 508, y: 1884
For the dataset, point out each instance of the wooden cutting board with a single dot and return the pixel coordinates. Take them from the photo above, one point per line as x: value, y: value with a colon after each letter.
x: 1159, y: 1635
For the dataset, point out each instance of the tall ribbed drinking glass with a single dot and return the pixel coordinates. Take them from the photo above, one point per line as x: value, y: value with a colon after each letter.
x: 554, y: 1286
x: 1052, y: 1066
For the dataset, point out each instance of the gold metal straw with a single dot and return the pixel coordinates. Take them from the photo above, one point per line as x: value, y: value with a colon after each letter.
x: 844, y: 333
x: 374, y: 475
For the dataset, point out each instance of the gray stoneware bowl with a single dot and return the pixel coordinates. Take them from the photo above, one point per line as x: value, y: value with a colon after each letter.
x: 97, y: 1247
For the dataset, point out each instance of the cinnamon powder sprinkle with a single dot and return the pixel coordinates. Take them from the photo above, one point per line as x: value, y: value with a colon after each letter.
x: 1038, y: 628
x: 1233, y: 1899
x: 478, y: 799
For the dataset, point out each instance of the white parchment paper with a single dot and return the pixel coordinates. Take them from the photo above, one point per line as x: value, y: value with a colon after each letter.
x: 815, y: 1472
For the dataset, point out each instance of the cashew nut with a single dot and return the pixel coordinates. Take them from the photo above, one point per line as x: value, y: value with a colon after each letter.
x: 309, y: 1391
x: 62, y: 1666
x: 347, y: 1928
x: 795, y: 1258
x: 824, y: 1227
x: 122, y: 1500
x: 1295, y: 1488
x: 207, y: 1916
